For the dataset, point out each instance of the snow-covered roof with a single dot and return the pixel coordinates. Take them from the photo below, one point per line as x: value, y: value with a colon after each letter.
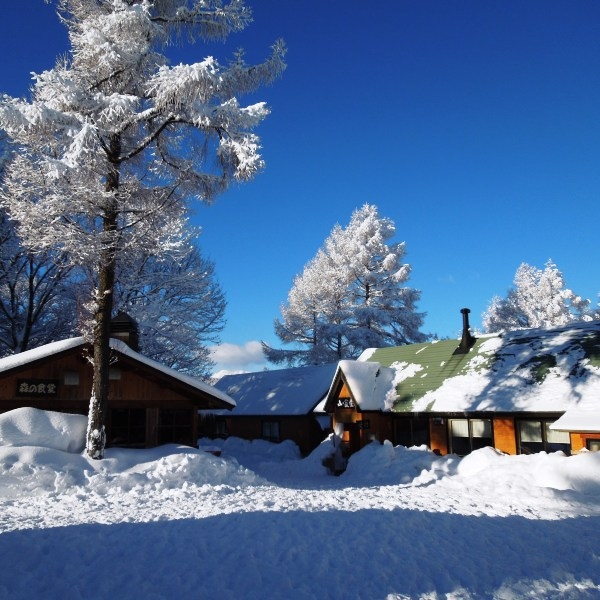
x: 535, y: 370
x: 371, y: 384
x: 578, y: 421
x: 24, y: 358
x: 48, y: 350
x: 294, y: 391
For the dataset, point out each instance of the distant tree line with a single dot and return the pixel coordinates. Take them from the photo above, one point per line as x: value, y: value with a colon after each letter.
x: 353, y: 295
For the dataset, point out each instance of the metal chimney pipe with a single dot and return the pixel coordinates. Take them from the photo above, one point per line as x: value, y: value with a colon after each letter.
x: 467, y: 339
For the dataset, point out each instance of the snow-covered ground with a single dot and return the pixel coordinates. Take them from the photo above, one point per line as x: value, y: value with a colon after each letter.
x: 259, y: 522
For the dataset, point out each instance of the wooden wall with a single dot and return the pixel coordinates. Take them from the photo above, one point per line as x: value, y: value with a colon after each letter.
x: 505, y: 437
x: 304, y: 430
x: 438, y: 433
x: 71, y: 373
x: 579, y: 440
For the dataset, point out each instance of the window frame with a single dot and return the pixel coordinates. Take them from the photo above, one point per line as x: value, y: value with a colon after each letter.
x: 470, y: 421
x: 590, y: 441
x: 174, y: 426
x: 543, y: 444
x: 412, y: 431
x: 270, y: 430
x: 128, y: 427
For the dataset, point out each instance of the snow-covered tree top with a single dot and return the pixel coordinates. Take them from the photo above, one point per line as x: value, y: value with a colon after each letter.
x: 114, y: 127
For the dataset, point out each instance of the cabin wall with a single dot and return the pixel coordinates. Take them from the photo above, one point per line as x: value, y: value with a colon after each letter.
x: 438, y: 435
x: 505, y: 438
x: 579, y: 441
x: 59, y: 373
x: 64, y: 382
x: 303, y: 430
x: 503, y: 428
x: 359, y: 428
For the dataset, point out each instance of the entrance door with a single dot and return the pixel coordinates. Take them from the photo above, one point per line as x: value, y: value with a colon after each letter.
x: 351, y: 437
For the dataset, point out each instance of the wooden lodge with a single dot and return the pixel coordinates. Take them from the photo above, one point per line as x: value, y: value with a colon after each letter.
x: 520, y: 392
x: 149, y: 404
x: 274, y: 405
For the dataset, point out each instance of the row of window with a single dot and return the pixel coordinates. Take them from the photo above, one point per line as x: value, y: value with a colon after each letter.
x: 269, y: 432
x: 128, y: 427
x: 466, y: 435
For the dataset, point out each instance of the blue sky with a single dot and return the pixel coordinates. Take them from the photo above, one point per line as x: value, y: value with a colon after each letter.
x: 473, y: 124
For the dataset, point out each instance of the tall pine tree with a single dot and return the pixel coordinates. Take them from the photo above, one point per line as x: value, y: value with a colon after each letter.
x: 351, y: 296
x: 114, y: 142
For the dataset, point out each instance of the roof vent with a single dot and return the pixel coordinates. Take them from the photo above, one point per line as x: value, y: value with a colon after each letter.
x: 467, y: 340
x: 124, y: 328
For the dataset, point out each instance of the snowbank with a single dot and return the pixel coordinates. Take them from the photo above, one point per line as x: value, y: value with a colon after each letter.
x: 400, y: 523
x: 47, y: 429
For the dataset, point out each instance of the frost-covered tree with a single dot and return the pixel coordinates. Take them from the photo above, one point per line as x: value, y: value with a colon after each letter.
x: 351, y: 296
x: 37, y: 300
x: 314, y: 317
x: 114, y: 141
x: 37, y: 305
x: 538, y: 298
x: 5, y: 152
x: 178, y: 306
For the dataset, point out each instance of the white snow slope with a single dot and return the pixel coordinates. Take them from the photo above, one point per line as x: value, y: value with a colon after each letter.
x: 259, y: 522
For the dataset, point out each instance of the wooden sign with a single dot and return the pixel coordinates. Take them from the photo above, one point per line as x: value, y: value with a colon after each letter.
x: 37, y: 387
x: 345, y: 403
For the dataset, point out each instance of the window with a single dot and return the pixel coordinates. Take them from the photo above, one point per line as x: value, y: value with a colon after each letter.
x: 270, y: 431
x: 467, y: 435
x: 535, y: 435
x: 557, y: 440
x: 128, y: 427
x: 530, y: 437
x: 412, y: 431
x: 593, y: 444
x: 220, y: 428
x: 175, y: 426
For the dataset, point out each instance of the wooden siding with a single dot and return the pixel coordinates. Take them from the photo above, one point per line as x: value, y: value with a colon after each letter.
x: 504, y: 434
x: 303, y: 430
x: 138, y: 387
x: 579, y: 440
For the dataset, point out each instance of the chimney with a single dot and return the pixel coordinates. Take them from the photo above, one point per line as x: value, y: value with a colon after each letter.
x: 124, y: 328
x: 467, y: 340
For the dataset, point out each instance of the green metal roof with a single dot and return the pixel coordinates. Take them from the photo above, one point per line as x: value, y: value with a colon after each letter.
x: 535, y: 369
x: 437, y: 361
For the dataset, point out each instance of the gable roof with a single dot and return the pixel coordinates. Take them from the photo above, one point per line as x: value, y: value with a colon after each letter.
x: 541, y: 370
x: 30, y: 357
x: 280, y: 392
x: 370, y: 384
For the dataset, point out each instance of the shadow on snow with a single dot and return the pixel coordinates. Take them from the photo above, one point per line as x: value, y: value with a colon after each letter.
x: 331, y: 554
